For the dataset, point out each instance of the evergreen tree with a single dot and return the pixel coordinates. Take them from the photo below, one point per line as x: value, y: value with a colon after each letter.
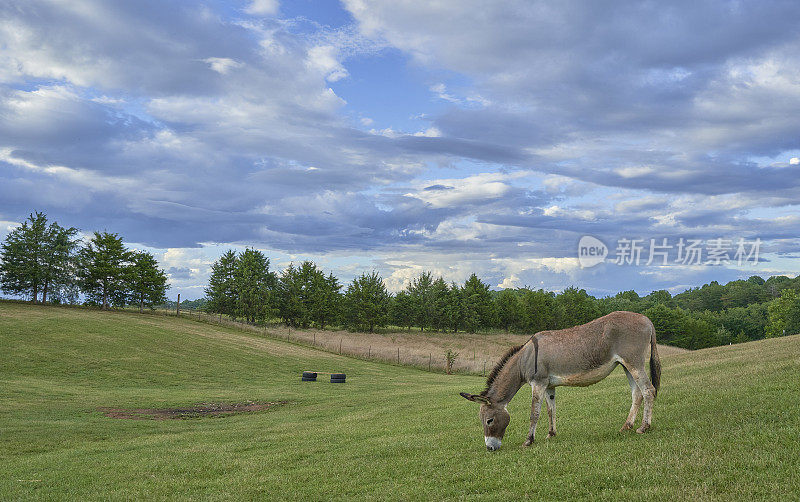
x: 146, y: 281
x: 253, y: 284
x: 326, y: 299
x: 22, y: 271
x: 59, y: 263
x: 456, y: 308
x: 538, y: 311
x: 221, y: 290
x: 508, y: 309
x: 102, y: 268
x: 421, y: 293
x: 478, y: 304
x: 578, y: 307
x: 440, y: 296
x: 402, y: 310
x: 366, y: 303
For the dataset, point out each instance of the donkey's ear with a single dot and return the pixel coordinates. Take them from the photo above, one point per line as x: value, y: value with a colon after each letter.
x: 475, y: 398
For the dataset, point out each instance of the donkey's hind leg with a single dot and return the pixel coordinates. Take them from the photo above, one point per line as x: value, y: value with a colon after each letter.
x: 636, y: 401
x: 648, y: 393
x: 551, y: 410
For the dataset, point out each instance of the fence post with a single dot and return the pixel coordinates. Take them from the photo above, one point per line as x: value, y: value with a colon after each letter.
x: 398, y: 355
x: 430, y: 360
x: 340, y: 345
x: 484, y: 368
x: 178, y: 306
x: 315, y: 339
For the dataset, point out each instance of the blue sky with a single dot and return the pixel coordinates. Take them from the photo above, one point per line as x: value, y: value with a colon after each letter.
x: 452, y: 136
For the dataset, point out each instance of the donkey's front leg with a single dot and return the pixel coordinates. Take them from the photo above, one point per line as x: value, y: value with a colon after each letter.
x: 536, y: 408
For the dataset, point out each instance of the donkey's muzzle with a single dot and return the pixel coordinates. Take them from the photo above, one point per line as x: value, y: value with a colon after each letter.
x: 492, y: 444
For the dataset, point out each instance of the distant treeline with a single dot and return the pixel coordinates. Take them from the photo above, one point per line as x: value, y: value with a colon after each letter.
x: 242, y: 286
x: 46, y: 263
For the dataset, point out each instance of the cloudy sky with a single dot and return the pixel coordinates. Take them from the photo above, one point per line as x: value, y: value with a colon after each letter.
x: 453, y: 136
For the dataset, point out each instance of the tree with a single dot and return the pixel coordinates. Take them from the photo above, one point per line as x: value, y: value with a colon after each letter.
x: 439, y: 297
x: 221, y: 290
x: 325, y: 299
x: 402, y: 310
x: 456, y: 308
x: 538, y: 311
x: 667, y: 322
x: 508, y: 309
x: 59, y: 262
x: 253, y: 284
x: 784, y: 314
x: 578, y: 307
x: 22, y: 271
x: 103, y: 261
x: 366, y: 303
x: 421, y: 292
x: 146, y: 281
x: 478, y: 303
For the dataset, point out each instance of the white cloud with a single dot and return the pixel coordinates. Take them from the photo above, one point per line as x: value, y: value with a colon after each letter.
x: 794, y: 161
x: 262, y: 7
x: 222, y: 65
x: 324, y: 59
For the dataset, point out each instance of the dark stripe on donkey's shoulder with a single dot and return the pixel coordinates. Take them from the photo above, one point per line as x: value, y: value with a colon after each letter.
x: 499, y: 366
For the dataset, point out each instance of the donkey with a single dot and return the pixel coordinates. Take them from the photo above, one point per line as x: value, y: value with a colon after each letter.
x: 576, y: 357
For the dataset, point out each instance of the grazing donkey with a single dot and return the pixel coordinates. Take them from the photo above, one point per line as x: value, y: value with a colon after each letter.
x: 577, y: 356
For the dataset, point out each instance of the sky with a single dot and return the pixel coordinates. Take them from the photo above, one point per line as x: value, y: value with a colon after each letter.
x: 398, y: 136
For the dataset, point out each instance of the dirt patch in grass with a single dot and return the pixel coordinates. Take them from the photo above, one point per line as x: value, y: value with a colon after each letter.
x: 196, y: 411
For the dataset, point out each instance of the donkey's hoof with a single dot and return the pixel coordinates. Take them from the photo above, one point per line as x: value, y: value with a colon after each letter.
x: 551, y: 434
x: 626, y: 427
x: 528, y: 442
x: 643, y: 428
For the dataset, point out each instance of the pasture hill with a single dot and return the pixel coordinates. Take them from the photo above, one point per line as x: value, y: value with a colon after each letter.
x: 86, y: 399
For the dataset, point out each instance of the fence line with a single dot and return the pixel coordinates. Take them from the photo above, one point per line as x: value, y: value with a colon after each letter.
x: 422, y: 360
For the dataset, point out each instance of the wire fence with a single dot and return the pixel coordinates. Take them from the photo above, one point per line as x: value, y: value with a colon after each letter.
x: 475, y: 362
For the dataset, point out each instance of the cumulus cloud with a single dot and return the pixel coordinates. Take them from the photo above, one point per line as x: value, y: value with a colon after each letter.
x: 186, y: 125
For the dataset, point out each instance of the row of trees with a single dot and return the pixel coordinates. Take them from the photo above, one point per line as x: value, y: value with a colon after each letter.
x: 47, y: 262
x: 303, y: 296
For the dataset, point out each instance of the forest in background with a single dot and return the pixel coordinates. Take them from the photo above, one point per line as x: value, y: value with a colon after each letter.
x: 44, y: 262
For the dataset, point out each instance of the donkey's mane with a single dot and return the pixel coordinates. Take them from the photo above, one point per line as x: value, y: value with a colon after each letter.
x: 499, y: 366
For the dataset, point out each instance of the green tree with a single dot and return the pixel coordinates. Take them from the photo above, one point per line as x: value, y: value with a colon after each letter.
x: 402, y: 310
x: 59, y: 263
x: 22, y: 271
x: 508, y: 309
x: 325, y: 299
x: 538, y: 311
x: 146, y: 281
x: 366, y: 303
x: 578, y: 307
x: 439, y: 300
x: 102, y: 267
x: 667, y: 321
x: 784, y: 314
x: 456, y: 309
x: 221, y: 290
x: 421, y: 292
x: 253, y: 284
x: 478, y: 304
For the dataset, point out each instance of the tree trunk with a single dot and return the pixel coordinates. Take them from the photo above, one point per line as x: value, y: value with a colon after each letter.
x: 44, y: 293
x: 141, y: 304
x: 35, y: 292
x: 105, y: 298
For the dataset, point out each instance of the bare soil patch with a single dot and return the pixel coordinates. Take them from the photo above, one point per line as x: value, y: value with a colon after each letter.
x: 196, y: 411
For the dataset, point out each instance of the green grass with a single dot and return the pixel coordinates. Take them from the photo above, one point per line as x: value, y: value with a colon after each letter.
x: 726, y: 422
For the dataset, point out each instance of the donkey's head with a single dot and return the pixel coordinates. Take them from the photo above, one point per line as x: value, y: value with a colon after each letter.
x: 494, y: 419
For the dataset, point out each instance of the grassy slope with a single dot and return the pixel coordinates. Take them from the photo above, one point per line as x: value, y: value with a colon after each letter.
x: 727, y: 422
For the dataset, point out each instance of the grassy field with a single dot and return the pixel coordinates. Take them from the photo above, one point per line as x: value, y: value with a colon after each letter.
x: 726, y: 422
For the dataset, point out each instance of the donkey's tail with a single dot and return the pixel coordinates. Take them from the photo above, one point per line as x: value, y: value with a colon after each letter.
x: 655, y: 361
